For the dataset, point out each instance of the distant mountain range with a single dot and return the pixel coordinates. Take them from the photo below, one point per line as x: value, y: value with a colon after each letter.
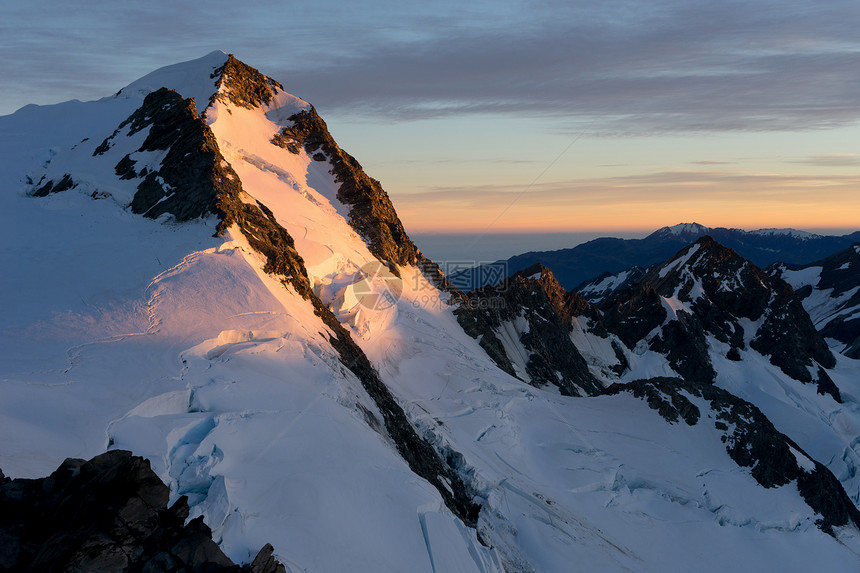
x: 605, y: 256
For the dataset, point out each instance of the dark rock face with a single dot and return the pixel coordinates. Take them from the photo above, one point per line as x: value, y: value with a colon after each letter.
x: 267, y: 237
x: 193, y: 172
x: 633, y: 312
x: 242, y: 85
x: 717, y: 288
x: 838, y: 277
x: 371, y: 213
x: 107, y: 514
x: 535, y: 296
x: 46, y: 188
x: 684, y: 344
x: 790, y: 339
x: 751, y: 441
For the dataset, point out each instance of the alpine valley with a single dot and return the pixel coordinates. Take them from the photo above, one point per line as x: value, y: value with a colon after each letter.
x: 209, y: 300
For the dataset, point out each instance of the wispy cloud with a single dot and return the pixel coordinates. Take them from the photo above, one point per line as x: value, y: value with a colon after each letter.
x: 624, y: 66
x: 832, y: 160
x: 676, y: 66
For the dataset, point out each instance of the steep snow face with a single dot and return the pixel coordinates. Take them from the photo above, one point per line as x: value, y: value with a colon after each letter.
x: 157, y: 337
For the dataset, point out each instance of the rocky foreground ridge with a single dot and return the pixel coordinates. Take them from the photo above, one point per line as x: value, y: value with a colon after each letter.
x: 108, y: 514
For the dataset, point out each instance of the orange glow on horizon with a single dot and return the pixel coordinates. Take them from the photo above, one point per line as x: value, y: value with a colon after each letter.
x: 644, y: 203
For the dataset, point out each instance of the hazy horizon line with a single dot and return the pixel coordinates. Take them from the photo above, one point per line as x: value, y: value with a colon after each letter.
x: 834, y: 231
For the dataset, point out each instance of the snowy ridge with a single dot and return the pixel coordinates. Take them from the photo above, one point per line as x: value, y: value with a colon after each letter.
x: 696, y: 230
x: 803, y: 235
x: 192, y: 79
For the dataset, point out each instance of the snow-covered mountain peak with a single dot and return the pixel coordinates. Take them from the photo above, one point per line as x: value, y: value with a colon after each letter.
x: 707, y: 291
x: 216, y: 75
x: 244, y: 86
x: 191, y: 79
x: 705, y: 257
x: 692, y: 231
x: 689, y: 231
x: 303, y: 379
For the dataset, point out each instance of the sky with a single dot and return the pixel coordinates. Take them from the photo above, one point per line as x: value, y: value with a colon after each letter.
x: 515, y: 116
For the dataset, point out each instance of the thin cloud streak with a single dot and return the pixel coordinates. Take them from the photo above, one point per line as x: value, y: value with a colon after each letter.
x: 833, y: 160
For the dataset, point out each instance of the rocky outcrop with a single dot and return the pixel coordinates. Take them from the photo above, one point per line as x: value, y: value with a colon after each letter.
x: 788, y: 336
x: 751, y: 441
x: 193, y: 177
x: 371, y: 212
x: 192, y: 174
x: 836, y: 285
x: 107, y: 514
x: 534, y: 306
x: 45, y: 188
x: 633, y: 312
x: 241, y: 85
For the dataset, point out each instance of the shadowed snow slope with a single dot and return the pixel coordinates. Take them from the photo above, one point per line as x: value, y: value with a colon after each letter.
x: 293, y: 369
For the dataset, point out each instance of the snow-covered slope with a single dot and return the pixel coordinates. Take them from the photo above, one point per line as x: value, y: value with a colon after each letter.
x: 216, y: 286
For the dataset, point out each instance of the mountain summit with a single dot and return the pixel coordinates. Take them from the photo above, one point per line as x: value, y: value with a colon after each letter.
x: 686, y: 231
x: 196, y: 273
